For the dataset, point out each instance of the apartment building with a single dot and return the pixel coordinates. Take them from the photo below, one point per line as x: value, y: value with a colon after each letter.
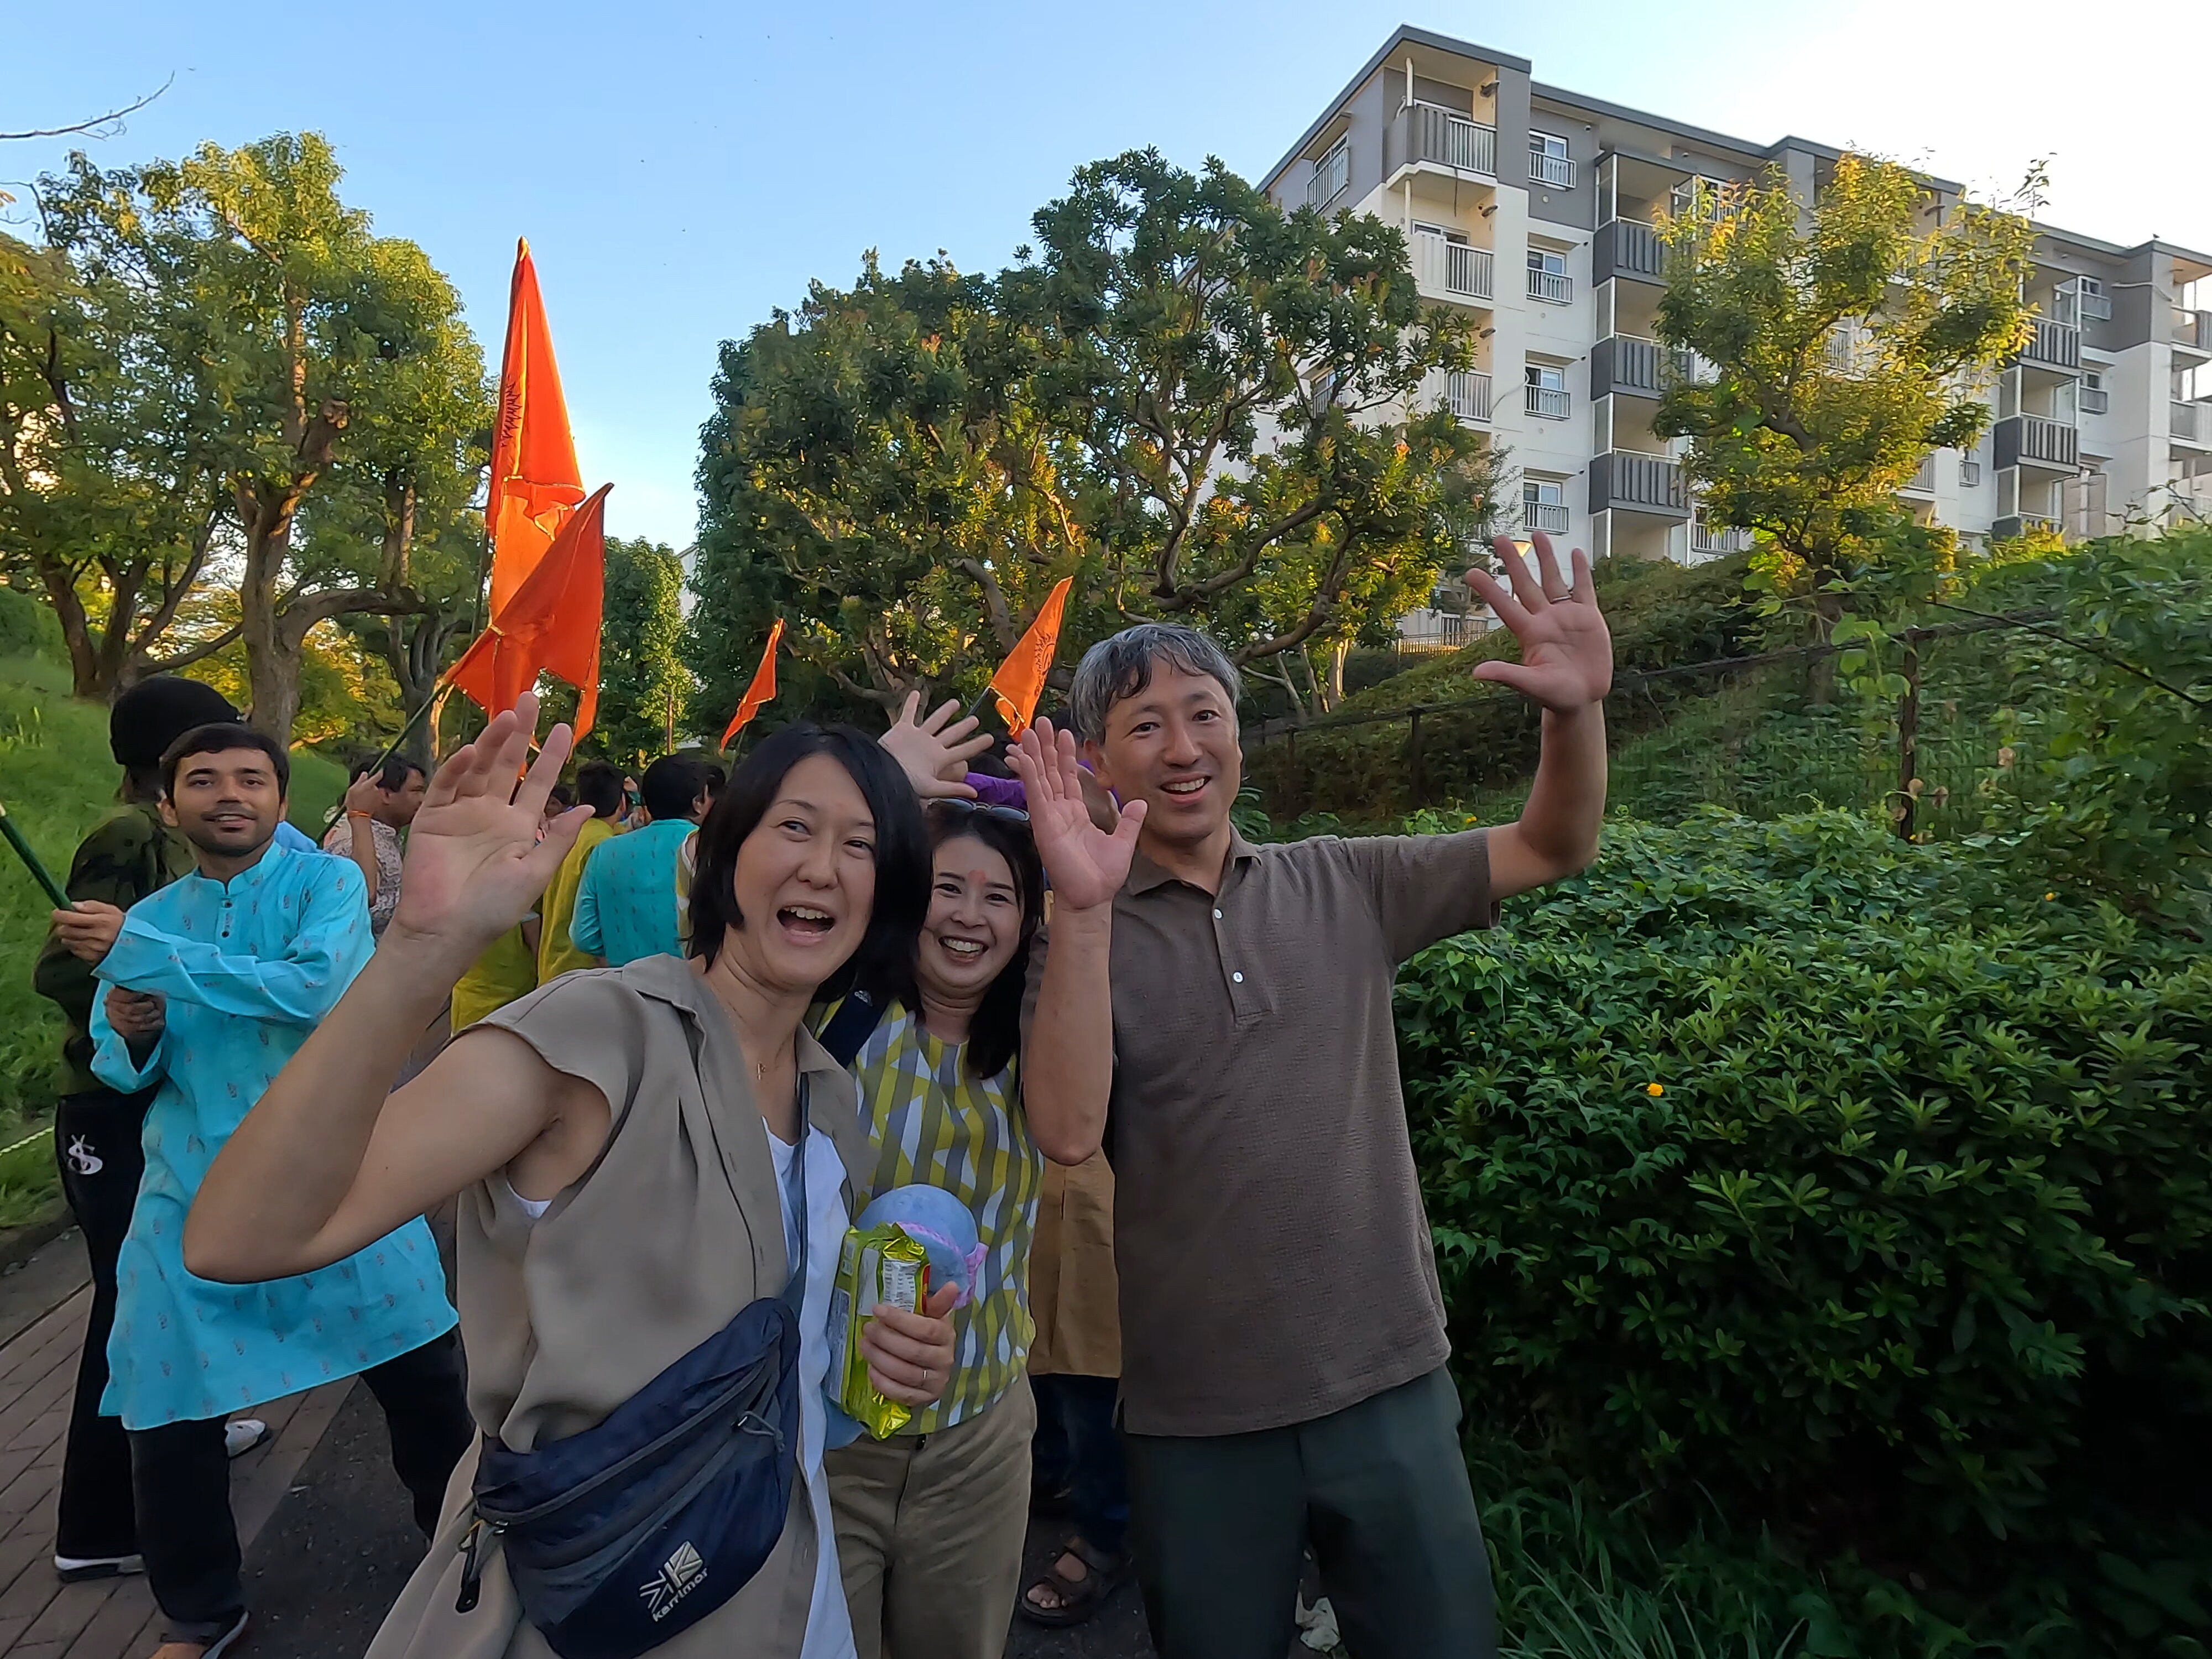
x: 1532, y: 207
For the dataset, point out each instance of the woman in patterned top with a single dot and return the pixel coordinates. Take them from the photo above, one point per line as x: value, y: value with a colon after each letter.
x: 930, y: 1523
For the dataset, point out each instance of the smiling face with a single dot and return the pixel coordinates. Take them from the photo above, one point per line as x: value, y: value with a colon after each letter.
x: 975, y: 921
x: 805, y: 879
x: 1173, y: 745
x: 228, y: 804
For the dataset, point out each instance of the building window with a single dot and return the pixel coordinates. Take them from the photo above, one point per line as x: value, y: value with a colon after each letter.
x: 1546, y: 386
x: 1544, y: 505
x: 2096, y: 400
x: 1548, y: 277
x: 1548, y: 163
x: 2096, y: 304
x: 1331, y: 174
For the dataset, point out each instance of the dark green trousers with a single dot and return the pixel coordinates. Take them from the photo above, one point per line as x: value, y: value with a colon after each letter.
x: 1379, y: 1490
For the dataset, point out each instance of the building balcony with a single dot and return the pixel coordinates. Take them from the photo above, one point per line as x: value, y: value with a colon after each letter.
x: 1445, y: 270
x: 2096, y: 400
x: 1557, y: 171
x: 1465, y: 392
x: 2190, y: 424
x: 1331, y: 174
x: 1627, y: 248
x: 2032, y: 440
x: 2018, y: 523
x: 1710, y: 541
x: 2192, y: 329
x: 1554, y: 287
x: 1621, y: 479
x: 2055, y: 345
x: 1549, y: 516
x: 1431, y: 136
x: 1625, y: 365
x: 1970, y: 475
x: 1547, y: 402
x: 1921, y: 482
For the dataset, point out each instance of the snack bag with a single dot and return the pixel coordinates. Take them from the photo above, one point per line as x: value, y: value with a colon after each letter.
x: 877, y: 1266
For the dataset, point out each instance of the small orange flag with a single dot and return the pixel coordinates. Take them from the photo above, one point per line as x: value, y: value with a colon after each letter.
x: 761, y: 689
x: 1020, y: 679
x: 550, y: 626
x: 535, y: 484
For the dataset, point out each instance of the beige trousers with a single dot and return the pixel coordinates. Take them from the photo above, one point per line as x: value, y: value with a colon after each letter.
x: 930, y: 1530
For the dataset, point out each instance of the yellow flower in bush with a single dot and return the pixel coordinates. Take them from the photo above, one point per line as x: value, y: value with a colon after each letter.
x: 1654, y: 1089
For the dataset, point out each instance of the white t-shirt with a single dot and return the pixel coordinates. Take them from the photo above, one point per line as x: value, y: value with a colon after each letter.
x: 829, y: 1619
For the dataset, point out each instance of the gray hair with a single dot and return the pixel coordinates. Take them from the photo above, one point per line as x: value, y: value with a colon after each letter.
x: 1121, y: 665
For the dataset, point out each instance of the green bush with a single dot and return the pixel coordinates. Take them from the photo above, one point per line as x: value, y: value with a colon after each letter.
x: 1660, y: 615
x: 1848, y: 1183
x: 29, y: 627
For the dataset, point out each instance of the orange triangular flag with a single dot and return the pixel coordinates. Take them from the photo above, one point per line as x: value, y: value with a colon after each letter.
x: 551, y: 625
x: 535, y: 484
x: 761, y: 689
x: 1020, y: 679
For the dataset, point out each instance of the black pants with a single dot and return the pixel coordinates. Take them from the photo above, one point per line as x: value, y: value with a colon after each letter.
x: 97, y: 1144
x: 1078, y: 1447
x: 1379, y: 1490
x: 181, y: 1477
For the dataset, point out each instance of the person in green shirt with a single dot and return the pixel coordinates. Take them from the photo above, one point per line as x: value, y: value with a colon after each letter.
x: 130, y: 854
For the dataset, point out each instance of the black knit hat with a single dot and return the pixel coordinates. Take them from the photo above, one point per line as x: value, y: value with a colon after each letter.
x: 154, y: 713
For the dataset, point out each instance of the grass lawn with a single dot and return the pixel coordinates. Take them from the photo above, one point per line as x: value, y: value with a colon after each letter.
x: 57, y: 779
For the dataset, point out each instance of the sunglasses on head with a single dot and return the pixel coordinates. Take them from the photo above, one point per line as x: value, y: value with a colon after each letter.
x: 965, y: 808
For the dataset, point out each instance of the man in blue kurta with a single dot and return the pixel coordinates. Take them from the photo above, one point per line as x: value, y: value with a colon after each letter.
x: 215, y: 981
x: 626, y: 907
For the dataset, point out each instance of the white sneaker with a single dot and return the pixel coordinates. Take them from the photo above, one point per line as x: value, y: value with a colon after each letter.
x: 74, y: 1567
x: 241, y: 1435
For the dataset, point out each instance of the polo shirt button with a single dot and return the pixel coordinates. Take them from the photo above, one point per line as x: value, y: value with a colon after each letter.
x: 1237, y: 978
x: 1216, y: 915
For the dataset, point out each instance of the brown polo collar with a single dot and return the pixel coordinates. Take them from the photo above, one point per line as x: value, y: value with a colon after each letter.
x: 1145, y: 875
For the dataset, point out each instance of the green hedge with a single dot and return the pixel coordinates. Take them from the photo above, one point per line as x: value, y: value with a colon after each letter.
x: 1787, y: 1170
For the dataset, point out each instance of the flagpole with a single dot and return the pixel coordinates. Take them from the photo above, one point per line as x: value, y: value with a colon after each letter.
x: 38, y: 873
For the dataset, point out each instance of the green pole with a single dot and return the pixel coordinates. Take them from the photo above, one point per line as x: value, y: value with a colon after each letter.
x: 38, y: 872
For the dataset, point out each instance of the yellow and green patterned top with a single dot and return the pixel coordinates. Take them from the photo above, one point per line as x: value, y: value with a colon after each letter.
x: 932, y: 1125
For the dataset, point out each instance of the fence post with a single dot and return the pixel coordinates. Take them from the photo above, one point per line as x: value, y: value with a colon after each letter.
x: 1413, y: 758
x: 1908, y: 736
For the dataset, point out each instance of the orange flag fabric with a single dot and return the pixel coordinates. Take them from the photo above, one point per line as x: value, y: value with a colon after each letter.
x: 761, y: 690
x: 1020, y: 679
x: 550, y: 626
x: 535, y: 484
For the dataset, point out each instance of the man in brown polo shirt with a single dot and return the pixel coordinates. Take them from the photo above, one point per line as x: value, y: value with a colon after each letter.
x: 1283, y: 1368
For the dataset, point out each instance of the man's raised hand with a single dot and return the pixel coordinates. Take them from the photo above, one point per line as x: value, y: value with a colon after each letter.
x: 474, y: 864
x: 933, y: 752
x: 1087, y: 864
x: 1566, y: 653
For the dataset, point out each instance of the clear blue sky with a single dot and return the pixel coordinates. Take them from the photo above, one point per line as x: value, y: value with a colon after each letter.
x: 684, y: 169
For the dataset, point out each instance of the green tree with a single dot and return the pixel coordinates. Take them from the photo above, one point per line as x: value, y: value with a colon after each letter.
x: 641, y: 674
x: 1846, y: 339
x: 111, y: 500
x: 1248, y: 391
x: 292, y: 328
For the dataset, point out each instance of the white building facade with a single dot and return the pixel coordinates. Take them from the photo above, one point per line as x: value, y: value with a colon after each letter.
x: 1532, y: 208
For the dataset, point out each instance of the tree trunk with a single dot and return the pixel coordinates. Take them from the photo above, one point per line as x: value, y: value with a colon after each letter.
x: 1820, y: 672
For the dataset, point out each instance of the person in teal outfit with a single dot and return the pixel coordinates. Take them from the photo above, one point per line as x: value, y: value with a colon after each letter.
x: 214, y: 982
x: 627, y: 909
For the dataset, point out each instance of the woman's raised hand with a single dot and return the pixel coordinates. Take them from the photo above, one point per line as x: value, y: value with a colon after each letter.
x: 475, y: 862
x: 1086, y: 863
x: 933, y: 750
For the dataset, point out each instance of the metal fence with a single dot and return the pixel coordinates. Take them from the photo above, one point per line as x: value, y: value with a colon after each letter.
x: 1740, y: 733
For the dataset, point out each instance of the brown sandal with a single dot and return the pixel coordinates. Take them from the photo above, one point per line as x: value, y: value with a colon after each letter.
x: 1079, y: 1598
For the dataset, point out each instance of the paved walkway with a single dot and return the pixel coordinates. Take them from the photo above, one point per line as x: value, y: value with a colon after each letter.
x: 321, y: 1578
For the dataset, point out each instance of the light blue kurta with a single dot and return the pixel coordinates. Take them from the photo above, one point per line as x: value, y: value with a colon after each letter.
x: 249, y: 967
x: 626, y: 903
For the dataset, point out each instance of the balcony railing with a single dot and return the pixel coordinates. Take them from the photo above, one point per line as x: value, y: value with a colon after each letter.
x: 1558, y: 171
x: 1625, y: 362
x: 1627, y: 247
x: 2056, y: 345
x: 2192, y: 328
x: 1712, y: 541
x: 1464, y: 392
x: 1556, y: 286
x: 1549, y: 516
x: 1970, y: 475
x: 1454, y: 270
x: 1331, y: 174
x: 2018, y: 523
x: 2033, y: 438
x: 1444, y: 137
x: 2187, y: 421
x: 1922, y: 483
x: 1645, y: 483
x: 2096, y: 400
x: 2096, y: 308
x: 1690, y: 368
x: 1547, y: 402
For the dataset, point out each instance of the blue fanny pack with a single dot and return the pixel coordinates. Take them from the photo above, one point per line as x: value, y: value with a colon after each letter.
x: 618, y: 1538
